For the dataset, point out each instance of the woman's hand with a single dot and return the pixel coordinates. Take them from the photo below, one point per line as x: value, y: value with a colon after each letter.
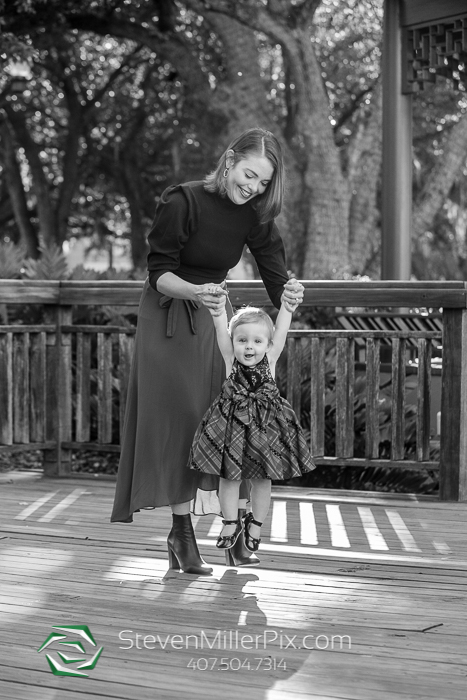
x: 292, y: 295
x: 213, y: 296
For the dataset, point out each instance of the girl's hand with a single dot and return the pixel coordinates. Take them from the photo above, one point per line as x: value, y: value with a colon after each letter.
x: 290, y: 307
x: 292, y: 294
x: 213, y: 296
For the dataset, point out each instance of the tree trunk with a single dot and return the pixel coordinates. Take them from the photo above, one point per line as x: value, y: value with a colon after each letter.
x: 16, y: 193
x: 132, y: 187
x: 70, y: 165
x: 45, y: 211
x: 325, y: 192
x: 364, y: 173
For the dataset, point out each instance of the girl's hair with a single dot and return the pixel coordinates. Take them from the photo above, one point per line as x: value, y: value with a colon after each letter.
x: 258, y: 142
x: 250, y: 314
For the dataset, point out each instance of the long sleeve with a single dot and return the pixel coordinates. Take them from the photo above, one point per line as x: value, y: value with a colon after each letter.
x: 267, y: 248
x: 168, y: 234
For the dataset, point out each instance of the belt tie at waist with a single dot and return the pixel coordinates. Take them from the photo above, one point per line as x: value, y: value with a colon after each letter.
x: 173, y: 306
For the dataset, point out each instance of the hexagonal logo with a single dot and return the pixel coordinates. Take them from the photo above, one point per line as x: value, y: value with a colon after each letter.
x: 75, y: 647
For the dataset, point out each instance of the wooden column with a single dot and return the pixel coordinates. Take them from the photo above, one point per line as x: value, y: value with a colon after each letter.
x: 453, y: 452
x: 57, y: 462
x: 397, y: 153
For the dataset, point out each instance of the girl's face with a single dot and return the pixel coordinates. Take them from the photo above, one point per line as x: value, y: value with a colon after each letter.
x: 248, y: 178
x: 250, y: 343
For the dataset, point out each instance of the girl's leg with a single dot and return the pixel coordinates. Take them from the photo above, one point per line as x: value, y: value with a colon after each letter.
x: 228, y: 498
x: 260, y: 502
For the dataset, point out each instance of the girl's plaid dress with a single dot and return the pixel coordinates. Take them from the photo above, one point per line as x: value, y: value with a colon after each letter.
x: 250, y: 431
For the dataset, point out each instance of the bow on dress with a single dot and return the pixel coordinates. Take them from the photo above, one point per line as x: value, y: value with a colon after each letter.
x: 253, y: 406
x: 174, y: 305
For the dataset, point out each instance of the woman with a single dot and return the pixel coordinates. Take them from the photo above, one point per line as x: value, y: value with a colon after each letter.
x: 198, y: 234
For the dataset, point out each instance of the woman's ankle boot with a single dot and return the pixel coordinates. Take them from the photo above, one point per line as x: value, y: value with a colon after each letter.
x: 183, y: 549
x: 238, y: 555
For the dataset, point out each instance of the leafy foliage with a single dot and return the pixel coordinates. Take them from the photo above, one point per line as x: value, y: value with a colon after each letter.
x: 11, y: 260
x: 123, y: 99
x: 51, y: 265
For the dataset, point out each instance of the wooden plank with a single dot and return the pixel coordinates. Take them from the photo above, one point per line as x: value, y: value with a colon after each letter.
x: 6, y: 393
x: 317, y: 396
x: 65, y: 388
x: 111, y: 292
x: 423, y: 399
x: 59, y: 376
x: 453, y: 448
x: 52, y: 408
x: 83, y: 388
x: 34, y: 328
x: 317, y: 293
x: 21, y: 387
x: 27, y: 448
x: 29, y: 291
x: 91, y: 446
x: 344, y: 397
x: 125, y: 353
x: 88, y: 328
x: 104, y: 388
x: 350, y: 429
x: 366, y: 333
x: 423, y: 12
x: 38, y: 380
x: 398, y: 399
x: 294, y: 374
x: 413, y: 465
x: 372, y: 398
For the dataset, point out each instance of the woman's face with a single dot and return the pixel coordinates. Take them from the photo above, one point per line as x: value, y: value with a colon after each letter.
x: 248, y: 178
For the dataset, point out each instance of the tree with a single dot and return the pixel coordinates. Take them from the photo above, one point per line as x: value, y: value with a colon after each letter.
x: 130, y: 97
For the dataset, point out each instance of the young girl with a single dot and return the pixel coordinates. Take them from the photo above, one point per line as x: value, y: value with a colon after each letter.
x: 249, y: 431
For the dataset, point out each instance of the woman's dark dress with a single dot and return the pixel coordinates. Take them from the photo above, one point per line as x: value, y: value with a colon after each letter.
x: 250, y: 431
x: 177, y: 369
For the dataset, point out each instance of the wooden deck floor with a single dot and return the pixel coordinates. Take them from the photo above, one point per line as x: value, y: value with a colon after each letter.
x: 357, y: 597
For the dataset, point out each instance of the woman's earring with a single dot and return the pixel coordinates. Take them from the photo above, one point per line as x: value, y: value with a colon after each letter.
x: 225, y: 173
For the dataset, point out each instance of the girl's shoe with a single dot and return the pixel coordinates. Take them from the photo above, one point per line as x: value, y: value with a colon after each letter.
x: 183, y: 549
x: 239, y: 555
x: 228, y: 541
x: 251, y: 543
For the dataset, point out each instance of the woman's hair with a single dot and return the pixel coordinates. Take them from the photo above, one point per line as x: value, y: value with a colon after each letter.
x: 258, y: 142
x: 251, y: 314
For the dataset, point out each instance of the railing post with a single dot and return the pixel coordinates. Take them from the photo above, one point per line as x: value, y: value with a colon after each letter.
x: 453, y: 447
x: 57, y: 462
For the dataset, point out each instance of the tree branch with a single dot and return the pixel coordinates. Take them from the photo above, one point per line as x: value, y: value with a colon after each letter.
x: 441, y: 177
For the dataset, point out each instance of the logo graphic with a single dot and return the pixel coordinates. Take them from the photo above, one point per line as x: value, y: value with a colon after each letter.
x: 76, y: 647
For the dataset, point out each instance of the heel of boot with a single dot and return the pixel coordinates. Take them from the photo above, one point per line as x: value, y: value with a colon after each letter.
x: 183, y: 549
x: 173, y: 561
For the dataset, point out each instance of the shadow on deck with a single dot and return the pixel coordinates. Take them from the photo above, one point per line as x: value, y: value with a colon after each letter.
x: 358, y: 596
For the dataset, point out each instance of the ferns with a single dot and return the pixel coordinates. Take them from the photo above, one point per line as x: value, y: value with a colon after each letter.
x: 51, y: 265
x: 12, y: 259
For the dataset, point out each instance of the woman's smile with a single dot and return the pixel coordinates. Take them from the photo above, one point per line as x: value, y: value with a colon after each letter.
x: 248, y: 178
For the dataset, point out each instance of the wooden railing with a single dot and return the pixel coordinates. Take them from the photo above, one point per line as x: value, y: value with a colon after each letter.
x: 63, y: 385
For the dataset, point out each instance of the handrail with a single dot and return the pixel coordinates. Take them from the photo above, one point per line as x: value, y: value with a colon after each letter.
x: 37, y: 365
x: 346, y: 293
